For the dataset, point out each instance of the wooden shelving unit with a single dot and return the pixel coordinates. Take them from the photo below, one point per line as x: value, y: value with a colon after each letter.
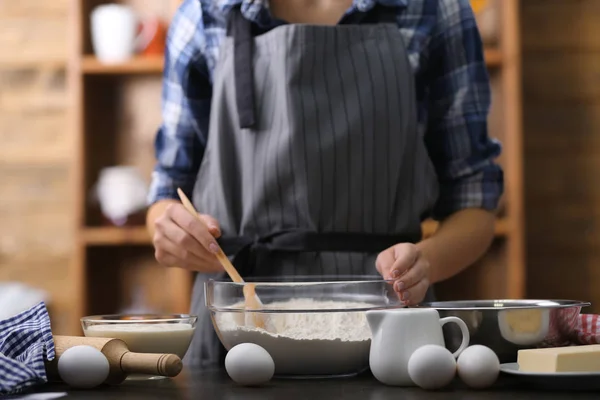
x: 115, y: 236
x: 493, y: 58
x: 114, y: 120
x: 139, y: 65
x: 115, y: 114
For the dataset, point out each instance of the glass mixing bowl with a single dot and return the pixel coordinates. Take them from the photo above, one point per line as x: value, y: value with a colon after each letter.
x: 147, y: 333
x: 314, y: 326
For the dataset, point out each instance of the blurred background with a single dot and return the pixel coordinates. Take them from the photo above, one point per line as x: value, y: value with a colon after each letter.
x: 80, y: 84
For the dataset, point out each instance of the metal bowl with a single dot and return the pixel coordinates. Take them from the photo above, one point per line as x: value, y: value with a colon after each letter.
x: 506, y: 326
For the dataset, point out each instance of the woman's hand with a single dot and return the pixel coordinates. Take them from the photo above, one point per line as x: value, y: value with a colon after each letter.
x: 406, y: 265
x: 181, y: 240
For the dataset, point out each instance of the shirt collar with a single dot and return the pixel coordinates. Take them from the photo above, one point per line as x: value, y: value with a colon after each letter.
x: 258, y: 10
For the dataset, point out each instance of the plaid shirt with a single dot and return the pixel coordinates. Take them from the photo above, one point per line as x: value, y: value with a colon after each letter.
x: 25, y: 344
x: 452, y: 84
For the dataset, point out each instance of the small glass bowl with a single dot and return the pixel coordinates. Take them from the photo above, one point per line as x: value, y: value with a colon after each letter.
x: 331, y: 336
x: 145, y: 333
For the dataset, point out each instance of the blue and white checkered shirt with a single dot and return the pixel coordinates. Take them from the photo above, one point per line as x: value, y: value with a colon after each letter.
x: 452, y: 82
x: 25, y: 344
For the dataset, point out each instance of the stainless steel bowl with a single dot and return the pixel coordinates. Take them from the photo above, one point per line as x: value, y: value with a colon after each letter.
x: 507, y: 326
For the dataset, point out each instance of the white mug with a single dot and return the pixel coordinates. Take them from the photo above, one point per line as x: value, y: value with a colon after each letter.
x: 397, y: 333
x: 121, y: 191
x: 114, y: 38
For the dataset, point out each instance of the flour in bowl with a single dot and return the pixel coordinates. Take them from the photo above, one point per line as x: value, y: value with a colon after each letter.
x: 312, y: 343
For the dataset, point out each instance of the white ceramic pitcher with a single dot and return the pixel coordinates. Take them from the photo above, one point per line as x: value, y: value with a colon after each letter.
x: 397, y: 333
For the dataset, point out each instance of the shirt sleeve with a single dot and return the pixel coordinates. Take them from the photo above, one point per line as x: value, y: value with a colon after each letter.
x: 185, y: 107
x: 459, y: 101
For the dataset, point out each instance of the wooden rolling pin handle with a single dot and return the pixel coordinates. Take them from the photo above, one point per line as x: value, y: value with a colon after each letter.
x: 168, y: 365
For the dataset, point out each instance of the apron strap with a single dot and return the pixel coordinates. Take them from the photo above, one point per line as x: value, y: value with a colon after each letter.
x: 245, y: 250
x: 240, y: 29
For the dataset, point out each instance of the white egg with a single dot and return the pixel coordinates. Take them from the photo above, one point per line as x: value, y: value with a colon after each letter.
x: 432, y: 367
x: 83, y: 367
x: 478, y: 366
x: 249, y: 364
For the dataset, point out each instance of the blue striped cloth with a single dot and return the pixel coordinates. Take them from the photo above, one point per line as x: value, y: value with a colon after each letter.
x: 25, y: 344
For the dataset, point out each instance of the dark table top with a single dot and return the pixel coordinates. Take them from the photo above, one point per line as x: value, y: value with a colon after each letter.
x: 215, y: 384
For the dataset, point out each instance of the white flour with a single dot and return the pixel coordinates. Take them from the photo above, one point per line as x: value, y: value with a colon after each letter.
x: 330, y: 343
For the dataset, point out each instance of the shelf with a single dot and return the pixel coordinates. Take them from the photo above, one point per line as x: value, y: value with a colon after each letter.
x: 115, y: 236
x: 154, y: 64
x: 137, y: 65
x: 500, y: 230
x: 138, y: 235
x: 493, y: 58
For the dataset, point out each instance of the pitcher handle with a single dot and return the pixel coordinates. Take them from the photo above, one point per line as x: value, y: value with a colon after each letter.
x: 149, y: 30
x: 466, y: 337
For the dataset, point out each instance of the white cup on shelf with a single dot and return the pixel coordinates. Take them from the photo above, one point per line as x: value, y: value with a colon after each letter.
x: 114, y: 33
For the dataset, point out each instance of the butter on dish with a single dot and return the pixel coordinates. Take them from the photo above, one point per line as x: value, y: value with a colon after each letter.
x: 560, y: 359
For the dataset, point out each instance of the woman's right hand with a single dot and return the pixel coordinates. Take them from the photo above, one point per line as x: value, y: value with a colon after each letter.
x: 182, y: 240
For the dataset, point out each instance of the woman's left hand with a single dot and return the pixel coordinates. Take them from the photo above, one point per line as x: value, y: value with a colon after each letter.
x: 406, y: 265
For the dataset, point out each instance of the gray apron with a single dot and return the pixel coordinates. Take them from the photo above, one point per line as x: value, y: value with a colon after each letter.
x: 314, y: 163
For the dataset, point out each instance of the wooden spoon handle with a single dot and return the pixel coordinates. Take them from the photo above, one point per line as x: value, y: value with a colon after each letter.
x: 229, y: 268
x: 252, y: 300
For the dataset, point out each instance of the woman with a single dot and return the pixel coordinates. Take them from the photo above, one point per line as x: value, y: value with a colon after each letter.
x: 316, y: 135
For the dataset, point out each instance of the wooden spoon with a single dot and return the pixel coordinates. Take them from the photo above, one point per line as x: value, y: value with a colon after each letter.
x: 252, y: 302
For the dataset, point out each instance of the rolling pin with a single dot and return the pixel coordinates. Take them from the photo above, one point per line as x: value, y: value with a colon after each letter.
x: 122, y: 362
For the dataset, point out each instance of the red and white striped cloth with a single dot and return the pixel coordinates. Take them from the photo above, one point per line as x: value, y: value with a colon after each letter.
x: 585, y: 329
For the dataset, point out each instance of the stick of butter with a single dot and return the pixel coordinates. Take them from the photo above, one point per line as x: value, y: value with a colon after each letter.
x: 560, y: 359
